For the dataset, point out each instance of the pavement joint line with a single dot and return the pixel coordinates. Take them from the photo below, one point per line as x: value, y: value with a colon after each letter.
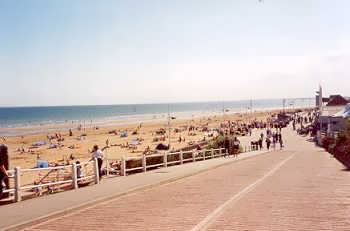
x: 93, y: 203
x: 210, y: 218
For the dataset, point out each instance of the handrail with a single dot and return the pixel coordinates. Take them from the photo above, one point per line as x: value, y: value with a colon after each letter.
x: 74, y: 177
x: 154, y: 155
x: 9, y: 190
x: 48, y: 168
x: 46, y: 184
x: 196, y: 155
x: 74, y: 180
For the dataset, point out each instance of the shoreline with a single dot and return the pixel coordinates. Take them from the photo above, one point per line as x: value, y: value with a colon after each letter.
x: 35, y: 129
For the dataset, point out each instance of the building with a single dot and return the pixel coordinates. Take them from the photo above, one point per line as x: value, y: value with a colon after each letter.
x: 334, y: 113
x: 337, y: 100
x: 333, y: 120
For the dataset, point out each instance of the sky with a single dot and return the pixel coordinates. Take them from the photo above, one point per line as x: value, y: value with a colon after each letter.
x: 70, y: 52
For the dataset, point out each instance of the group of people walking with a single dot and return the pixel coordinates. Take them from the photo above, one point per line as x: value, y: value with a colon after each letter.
x: 273, y: 138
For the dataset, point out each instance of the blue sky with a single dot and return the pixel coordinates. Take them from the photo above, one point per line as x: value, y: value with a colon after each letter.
x: 109, y: 52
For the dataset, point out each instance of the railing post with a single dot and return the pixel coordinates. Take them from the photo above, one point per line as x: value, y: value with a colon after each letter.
x: 204, y: 153
x: 220, y: 152
x: 212, y: 153
x: 181, y: 157
x: 165, y: 159
x: 144, y: 163
x: 97, y: 174
x: 107, y: 167
x: 194, y: 156
x: 74, y: 176
x: 18, y: 196
x: 123, y: 167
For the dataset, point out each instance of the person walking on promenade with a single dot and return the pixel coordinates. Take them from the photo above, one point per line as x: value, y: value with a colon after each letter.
x: 236, y: 144
x: 226, y: 146
x: 268, y: 143
x: 260, y: 143
x: 4, y: 166
x: 293, y: 125
x: 274, y: 140
x: 280, y: 140
x: 98, y: 154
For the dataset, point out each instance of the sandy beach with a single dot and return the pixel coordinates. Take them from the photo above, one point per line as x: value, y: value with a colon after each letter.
x: 79, y: 144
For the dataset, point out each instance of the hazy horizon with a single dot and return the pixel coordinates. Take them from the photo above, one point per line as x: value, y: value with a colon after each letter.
x: 162, y: 103
x: 122, y: 52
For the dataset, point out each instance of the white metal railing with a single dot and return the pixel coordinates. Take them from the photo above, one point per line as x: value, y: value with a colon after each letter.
x: 19, y: 188
x: 74, y: 180
x: 195, y: 156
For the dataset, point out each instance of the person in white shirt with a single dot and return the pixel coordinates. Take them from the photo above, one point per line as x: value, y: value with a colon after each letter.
x: 98, y: 154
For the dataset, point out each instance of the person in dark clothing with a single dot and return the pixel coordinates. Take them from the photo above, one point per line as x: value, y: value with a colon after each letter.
x: 236, y: 144
x: 226, y: 145
x: 268, y: 143
x: 260, y: 143
x: 280, y: 140
x: 4, y: 166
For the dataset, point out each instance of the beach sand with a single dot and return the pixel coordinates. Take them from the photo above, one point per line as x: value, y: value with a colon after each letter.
x: 99, y: 137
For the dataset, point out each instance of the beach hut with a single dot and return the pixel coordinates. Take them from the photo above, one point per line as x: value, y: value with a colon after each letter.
x: 345, y: 113
x: 332, y: 120
x: 337, y: 100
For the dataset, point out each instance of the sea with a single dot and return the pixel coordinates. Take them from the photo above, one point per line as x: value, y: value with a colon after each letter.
x: 22, y: 120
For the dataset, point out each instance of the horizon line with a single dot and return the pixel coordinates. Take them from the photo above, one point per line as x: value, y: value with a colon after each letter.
x: 148, y: 103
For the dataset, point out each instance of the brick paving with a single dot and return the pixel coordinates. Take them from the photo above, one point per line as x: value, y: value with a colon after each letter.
x: 311, y: 192
x: 308, y: 191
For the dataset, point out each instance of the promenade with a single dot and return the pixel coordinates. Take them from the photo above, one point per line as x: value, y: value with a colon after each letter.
x: 298, y: 188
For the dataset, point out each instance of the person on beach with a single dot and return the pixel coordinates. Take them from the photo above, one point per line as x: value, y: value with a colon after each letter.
x: 4, y: 166
x: 98, y: 154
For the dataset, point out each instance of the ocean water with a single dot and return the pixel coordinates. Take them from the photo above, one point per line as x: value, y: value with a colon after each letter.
x: 14, y: 117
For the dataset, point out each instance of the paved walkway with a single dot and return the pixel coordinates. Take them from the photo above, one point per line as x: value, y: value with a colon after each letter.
x: 23, y: 212
x: 299, y: 188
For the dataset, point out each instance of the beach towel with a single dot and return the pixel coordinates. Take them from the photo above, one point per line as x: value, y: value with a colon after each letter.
x: 42, y: 164
x: 39, y: 143
x: 135, y: 142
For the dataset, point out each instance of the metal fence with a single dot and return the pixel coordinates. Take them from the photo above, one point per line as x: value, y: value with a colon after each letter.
x: 194, y: 156
x: 72, y: 174
x: 69, y: 178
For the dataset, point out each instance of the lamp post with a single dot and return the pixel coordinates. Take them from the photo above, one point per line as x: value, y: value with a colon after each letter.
x: 169, y: 129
